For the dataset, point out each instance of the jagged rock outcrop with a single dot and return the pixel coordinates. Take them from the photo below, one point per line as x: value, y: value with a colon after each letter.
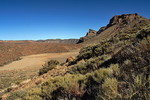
x: 91, y: 32
x: 89, y: 35
x: 125, y: 21
x: 117, y: 24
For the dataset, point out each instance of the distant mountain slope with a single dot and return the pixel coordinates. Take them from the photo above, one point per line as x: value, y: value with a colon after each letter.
x: 66, y: 41
x: 12, y: 50
x: 118, y: 24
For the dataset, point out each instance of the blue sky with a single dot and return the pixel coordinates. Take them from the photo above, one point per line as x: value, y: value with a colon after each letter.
x: 51, y: 19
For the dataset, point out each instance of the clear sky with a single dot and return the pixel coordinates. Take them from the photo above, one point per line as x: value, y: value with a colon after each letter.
x: 51, y: 19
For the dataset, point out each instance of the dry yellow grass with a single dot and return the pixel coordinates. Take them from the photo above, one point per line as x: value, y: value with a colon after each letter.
x: 28, y: 67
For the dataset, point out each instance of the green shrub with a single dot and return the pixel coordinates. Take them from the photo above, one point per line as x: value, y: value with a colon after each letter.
x: 85, y: 53
x: 116, y: 69
x: 98, y: 81
x: 102, y: 74
x: 143, y: 33
x: 110, y: 89
x: 84, y: 68
x: 104, y: 47
x: 33, y: 97
x: 18, y: 95
x: 48, y: 66
x: 90, y: 65
x: 126, y: 36
x: 139, y: 87
x: 34, y: 94
x: 80, y: 68
x: 72, y: 84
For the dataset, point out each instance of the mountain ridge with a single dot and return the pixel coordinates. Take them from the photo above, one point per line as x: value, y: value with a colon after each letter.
x: 66, y: 41
x: 116, y: 25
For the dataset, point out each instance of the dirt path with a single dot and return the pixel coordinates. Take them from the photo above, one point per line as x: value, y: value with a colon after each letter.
x: 28, y: 67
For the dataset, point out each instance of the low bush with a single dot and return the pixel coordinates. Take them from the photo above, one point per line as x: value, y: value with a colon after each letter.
x: 34, y: 94
x: 98, y: 81
x: 110, y: 89
x: 48, y: 66
x: 59, y: 87
x: 18, y: 95
x: 90, y: 65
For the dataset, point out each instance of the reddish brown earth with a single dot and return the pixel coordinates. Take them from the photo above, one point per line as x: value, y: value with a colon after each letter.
x: 28, y: 67
x: 13, y: 50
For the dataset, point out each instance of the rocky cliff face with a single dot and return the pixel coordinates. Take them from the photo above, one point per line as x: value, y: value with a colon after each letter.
x: 117, y: 24
x: 125, y: 21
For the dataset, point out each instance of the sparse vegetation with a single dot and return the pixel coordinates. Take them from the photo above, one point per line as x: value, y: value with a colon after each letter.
x: 13, y: 50
x: 117, y: 68
x: 90, y: 65
x: 17, y: 95
x: 112, y: 76
x: 48, y: 66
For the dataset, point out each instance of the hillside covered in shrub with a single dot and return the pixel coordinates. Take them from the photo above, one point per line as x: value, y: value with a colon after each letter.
x: 115, y: 68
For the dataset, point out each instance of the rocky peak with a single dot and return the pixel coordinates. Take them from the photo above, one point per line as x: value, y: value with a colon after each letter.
x: 116, y: 25
x: 124, y: 19
x: 91, y: 32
